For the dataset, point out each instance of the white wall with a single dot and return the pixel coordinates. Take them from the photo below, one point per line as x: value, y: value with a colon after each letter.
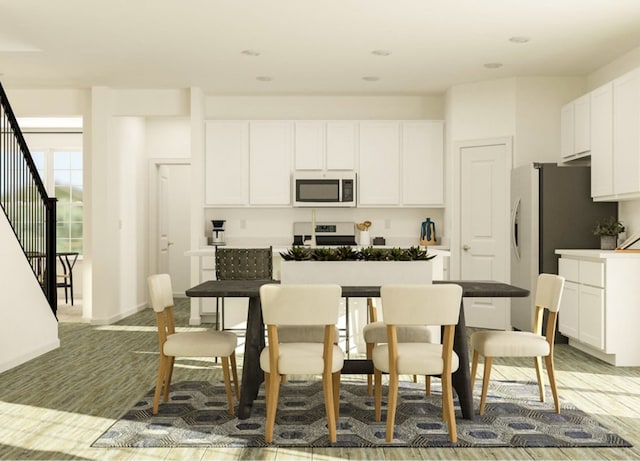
x: 324, y: 107
x: 537, y: 116
x: 28, y: 328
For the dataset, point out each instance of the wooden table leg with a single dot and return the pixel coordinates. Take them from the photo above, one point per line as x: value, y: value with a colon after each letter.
x: 252, y: 375
x: 461, y: 379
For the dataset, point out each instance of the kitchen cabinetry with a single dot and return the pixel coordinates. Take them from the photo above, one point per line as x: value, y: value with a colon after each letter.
x: 270, y: 163
x: 602, y: 141
x: 401, y: 163
x: 598, y: 308
x: 227, y: 163
x: 423, y: 163
x: 248, y: 163
x: 615, y: 133
x: 626, y: 133
x: 575, y: 135
x: 325, y: 145
x: 379, y: 163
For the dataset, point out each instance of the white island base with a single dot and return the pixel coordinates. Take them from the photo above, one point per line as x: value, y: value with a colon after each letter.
x: 600, y: 307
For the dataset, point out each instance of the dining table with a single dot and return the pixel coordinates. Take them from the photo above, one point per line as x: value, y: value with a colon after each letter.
x: 252, y: 375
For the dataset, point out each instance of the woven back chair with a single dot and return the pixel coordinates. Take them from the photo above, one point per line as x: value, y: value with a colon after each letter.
x: 244, y: 263
x: 241, y: 264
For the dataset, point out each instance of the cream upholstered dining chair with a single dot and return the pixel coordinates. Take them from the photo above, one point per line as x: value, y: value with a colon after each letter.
x: 434, y: 305
x: 492, y: 344
x: 301, y: 305
x: 375, y: 332
x: 207, y: 343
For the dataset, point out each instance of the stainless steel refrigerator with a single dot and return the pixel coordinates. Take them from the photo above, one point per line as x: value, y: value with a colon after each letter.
x: 551, y: 207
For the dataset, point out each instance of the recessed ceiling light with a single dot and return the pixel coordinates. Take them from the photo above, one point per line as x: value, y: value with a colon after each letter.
x: 381, y: 52
x: 250, y: 52
x: 519, y: 39
x: 264, y: 78
x: 493, y: 65
x: 370, y: 78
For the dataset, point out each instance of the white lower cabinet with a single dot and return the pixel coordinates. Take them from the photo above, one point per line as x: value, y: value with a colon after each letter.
x: 598, y: 309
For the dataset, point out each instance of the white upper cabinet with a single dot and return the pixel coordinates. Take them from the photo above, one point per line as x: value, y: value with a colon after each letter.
x: 341, y: 145
x: 626, y: 133
x: 270, y: 147
x: 423, y: 163
x: 602, y: 141
x: 615, y: 139
x: 325, y: 145
x: 582, y: 125
x: 379, y: 163
x: 309, y: 145
x: 227, y: 163
x: 575, y: 134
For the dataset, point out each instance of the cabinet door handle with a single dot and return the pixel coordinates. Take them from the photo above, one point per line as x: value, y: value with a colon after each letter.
x: 466, y: 247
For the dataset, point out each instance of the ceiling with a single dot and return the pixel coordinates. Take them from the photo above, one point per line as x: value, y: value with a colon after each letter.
x: 306, y: 46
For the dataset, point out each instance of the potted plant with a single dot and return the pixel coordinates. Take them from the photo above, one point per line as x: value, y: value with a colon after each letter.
x: 366, y: 266
x: 608, y: 230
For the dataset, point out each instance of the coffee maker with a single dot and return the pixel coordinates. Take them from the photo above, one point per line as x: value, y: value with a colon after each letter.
x: 217, y: 234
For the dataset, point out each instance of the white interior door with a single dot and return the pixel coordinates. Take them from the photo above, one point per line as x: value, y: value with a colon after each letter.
x: 173, y: 224
x: 484, y: 229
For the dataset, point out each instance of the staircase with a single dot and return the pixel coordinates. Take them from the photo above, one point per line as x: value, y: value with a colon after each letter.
x: 24, y: 200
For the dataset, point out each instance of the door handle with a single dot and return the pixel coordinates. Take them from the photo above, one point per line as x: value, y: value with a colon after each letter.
x: 169, y: 244
x: 466, y: 247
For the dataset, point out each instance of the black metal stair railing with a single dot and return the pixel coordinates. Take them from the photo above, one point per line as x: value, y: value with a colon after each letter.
x: 25, y: 202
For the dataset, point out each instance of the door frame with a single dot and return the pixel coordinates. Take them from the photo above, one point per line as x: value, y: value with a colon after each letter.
x: 154, y: 168
x: 456, y: 199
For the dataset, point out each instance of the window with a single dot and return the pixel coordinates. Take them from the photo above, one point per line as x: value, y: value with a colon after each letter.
x: 61, y: 172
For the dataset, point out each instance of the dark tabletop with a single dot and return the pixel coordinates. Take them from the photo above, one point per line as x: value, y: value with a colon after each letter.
x: 249, y: 288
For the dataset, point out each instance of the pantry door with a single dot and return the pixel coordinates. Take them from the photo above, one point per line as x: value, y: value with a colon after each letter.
x: 484, y: 195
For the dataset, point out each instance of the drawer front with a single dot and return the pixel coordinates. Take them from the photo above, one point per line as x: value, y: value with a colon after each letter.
x: 569, y: 269
x: 592, y: 273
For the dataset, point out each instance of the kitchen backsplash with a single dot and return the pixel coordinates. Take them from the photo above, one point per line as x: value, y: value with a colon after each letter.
x: 274, y: 226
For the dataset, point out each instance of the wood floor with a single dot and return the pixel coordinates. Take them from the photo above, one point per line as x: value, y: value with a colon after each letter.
x: 55, y: 406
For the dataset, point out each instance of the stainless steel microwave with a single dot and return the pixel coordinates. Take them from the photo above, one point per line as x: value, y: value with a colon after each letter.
x: 324, y: 189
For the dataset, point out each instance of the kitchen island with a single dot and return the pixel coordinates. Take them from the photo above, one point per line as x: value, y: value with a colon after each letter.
x: 599, y: 309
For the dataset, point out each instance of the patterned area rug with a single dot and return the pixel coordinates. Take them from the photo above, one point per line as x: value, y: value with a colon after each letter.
x: 196, y: 416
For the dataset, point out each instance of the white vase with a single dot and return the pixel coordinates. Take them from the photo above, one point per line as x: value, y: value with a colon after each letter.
x: 356, y: 273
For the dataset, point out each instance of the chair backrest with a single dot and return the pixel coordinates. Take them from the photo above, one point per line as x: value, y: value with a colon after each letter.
x: 549, y: 291
x: 300, y: 304
x: 160, y: 291
x: 244, y: 263
x: 421, y: 304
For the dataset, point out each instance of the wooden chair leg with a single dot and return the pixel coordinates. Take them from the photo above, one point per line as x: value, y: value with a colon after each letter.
x: 327, y: 387
x: 392, y: 404
x: 161, y: 375
x: 227, y: 384
x: 415, y: 378
x: 369, y: 355
x: 272, y: 405
x: 169, y: 374
x: 427, y: 385
x: 378, y: 394
x: 447, y: 408
x: 336, y: 395
x: 234, y: 373
x: 266, y: 389
x: 537, y: 361
x: 474, y: 369
x: 552, y: 381
x: 485, y: 383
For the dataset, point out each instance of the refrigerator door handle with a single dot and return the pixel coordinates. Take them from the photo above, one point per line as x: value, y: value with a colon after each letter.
x: 515, y: 236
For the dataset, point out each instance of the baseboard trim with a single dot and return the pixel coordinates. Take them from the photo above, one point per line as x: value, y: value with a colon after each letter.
x: 30, y: 355
x: 119, y: 316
